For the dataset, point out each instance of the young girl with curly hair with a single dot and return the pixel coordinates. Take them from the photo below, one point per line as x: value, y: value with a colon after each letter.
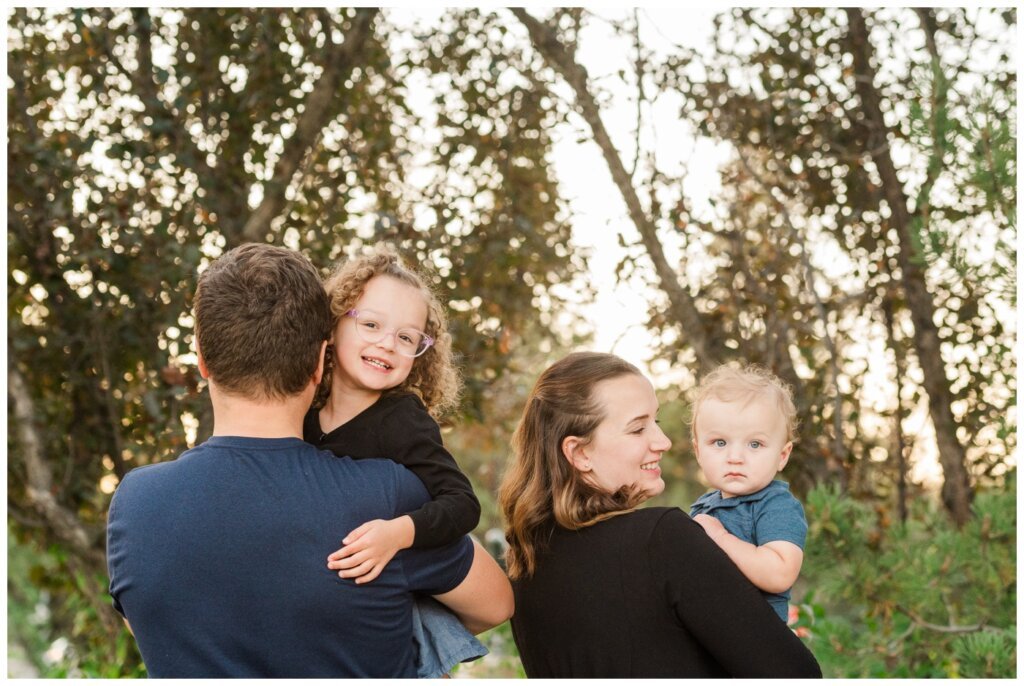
x: 389, y: 373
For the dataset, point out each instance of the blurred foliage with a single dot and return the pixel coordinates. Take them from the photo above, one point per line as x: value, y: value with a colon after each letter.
x: 144, y: 142
x: 799, y: 258
x: 920, y: 599
x: 35, y: 576
x: 502, y: 662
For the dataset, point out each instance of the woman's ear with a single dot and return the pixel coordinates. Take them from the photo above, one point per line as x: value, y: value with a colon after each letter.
x: 572, y: 449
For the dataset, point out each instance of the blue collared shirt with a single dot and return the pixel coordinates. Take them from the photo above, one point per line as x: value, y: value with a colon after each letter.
x: 771, y: 514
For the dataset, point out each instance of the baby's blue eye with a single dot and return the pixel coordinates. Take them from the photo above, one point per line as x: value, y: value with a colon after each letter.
x: 756, y: 444
x: 718, y: 443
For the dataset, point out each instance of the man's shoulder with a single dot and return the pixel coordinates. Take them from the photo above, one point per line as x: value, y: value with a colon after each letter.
x: 149, y: 473
x: 375, y: 467
x: 376, y: 471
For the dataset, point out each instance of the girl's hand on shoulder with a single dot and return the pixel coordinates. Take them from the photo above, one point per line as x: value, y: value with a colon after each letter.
x: 369, y: 548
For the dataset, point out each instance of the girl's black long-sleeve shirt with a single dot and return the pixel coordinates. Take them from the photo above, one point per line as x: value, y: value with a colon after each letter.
x: 399, y: 428
x: 647, y: 594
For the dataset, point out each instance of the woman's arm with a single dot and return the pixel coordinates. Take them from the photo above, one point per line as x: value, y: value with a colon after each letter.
x: 723, y: 611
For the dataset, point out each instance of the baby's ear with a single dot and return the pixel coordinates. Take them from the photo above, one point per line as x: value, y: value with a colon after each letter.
x: 784, y: 455
x: 572, y: 450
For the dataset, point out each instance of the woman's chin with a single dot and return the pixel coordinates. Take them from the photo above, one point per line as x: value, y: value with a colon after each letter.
x: 654, y: 488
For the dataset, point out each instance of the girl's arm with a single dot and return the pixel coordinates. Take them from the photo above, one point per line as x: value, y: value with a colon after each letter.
x: 411, y: 437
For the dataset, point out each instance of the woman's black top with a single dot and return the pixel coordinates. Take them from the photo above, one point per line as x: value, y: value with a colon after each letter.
x: 399, y: 428
x: 648, y: 594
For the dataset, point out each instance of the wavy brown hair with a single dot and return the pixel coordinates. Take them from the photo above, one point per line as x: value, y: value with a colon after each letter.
x: 434, y: 376
x: 540, y: 485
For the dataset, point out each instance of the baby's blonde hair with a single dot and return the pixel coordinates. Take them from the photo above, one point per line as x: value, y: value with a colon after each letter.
x: 730, y: 384
x: 434, y: 376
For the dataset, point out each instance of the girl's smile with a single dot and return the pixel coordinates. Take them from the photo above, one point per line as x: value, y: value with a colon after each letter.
x: 372, y: 368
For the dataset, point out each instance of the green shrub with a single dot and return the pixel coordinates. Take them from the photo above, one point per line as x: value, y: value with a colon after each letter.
x: 920, y: 599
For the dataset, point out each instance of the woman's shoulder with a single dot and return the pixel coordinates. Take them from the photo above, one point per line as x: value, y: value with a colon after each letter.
x: 657, y: 514
x: 646, y: 533
x: 650, y: 519
x: 669, y: 525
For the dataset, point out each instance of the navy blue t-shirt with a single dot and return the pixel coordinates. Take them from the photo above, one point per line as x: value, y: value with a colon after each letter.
x: 218, y: 560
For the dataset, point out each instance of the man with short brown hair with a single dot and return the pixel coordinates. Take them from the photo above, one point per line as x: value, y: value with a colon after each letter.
x: 218, y: 559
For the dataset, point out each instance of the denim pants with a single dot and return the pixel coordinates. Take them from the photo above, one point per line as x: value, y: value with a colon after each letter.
x: 441, y: 639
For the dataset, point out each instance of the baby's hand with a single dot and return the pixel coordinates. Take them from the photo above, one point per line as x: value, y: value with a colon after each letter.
x: 370, y: 547
x: 712, y: 527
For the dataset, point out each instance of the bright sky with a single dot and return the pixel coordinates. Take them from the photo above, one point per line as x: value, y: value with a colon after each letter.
x: 598, y: 213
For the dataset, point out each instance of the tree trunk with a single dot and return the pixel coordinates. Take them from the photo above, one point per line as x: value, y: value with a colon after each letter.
x: 682, y: 305
x: 39, y: 486
x: 956, y: 490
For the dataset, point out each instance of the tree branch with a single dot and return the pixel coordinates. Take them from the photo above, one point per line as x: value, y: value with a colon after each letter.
x: 638, y: 65
x: 315, y: 116
x: 938, y: 108
x: 144, y: 80
x: 950, y: 629
x: 39, y: 482
x: 683, y: 307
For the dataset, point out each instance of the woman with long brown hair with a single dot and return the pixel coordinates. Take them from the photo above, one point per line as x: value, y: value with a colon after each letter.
x: 604, y: 589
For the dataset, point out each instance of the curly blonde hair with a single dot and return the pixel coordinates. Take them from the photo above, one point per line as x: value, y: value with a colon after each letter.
x: 730, y: 383
x: 434, y: 377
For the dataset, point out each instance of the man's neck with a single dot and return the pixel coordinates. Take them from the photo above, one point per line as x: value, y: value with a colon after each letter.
x: 266, y: 418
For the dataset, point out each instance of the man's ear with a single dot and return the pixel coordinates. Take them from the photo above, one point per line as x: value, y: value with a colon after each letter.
x: 203, y: 371
x: 319, y: 373
x: 572, y: 450
x: 784, y: 456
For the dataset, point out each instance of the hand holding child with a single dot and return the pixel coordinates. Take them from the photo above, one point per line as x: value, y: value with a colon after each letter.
x: 368, y: 548
x: 712, y: 527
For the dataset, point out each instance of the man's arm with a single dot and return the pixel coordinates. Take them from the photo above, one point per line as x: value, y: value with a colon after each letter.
x: 772, y: 567
x: 484, y: 598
